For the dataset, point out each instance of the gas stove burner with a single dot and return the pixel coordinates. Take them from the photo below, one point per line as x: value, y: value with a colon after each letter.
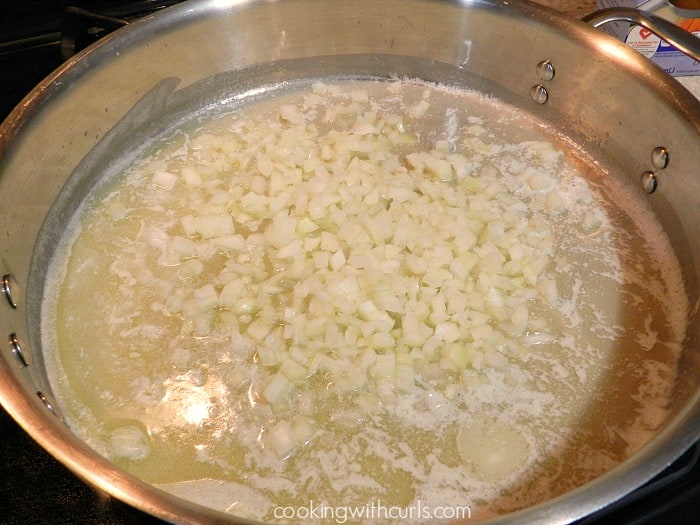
x: 664, y: 499
x: 84, y: 23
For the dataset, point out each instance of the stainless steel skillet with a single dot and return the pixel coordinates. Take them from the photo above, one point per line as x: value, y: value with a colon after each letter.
x: 607, y: 97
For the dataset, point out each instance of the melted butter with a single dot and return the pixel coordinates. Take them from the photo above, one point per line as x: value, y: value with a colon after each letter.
x: 592, y: 390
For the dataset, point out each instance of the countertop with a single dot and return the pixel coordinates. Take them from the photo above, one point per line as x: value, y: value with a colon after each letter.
x: 692, y: 84
x: 570, y: 7
x: 579, y: 8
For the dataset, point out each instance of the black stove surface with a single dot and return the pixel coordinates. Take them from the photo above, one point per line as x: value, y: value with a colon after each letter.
x: 36, y: 36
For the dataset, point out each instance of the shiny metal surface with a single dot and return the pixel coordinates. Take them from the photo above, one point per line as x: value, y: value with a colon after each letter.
x: 16, y: 349
x: 9, y: 289
x: 539, y: 93
x: 659, y: 157
x: 493, y: 45
x: 47, y: 403
x: 681, y: 40
x: 649, y: 182
x: 545, y: 70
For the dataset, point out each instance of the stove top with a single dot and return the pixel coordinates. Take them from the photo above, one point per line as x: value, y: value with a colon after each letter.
x: 36, y: 36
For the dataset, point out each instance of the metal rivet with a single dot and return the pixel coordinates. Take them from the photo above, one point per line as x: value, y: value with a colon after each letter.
x: 539, y: 94
x: 47, y: 403
x: 16, y: 348
x: 659, y: 157
x: 649, y: 181
x: 545, y: 70
x: 9, y: 286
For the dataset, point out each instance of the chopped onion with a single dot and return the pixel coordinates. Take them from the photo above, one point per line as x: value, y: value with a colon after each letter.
x: 129, y: 442
x: 283, y: 439
x: 338, y: 247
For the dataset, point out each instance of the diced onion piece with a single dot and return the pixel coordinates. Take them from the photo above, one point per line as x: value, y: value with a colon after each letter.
x: 209, y: 226
x: 537, y: 181
x: 283, y: 439
x: 183, y: 246
x: 520, y: 316
x: 164, y: 179
x: 554, y: 201
x: 492, y: 449
x: 384, y: 368
x: 187, y: 222
x: 258, y: 329
x: 448, y: 332
x: 129, y: 442
x: 293, y: 370
x: 548, y: 291
x: 281, y: 231
x: 306, y: 225
x: 405, y: 373
x: 337, y: 260
x: 303, y: 428
x: 277, y: 389
x: 419, y: 109
x: 206, y: 297
x: 191, y: 176
x: 236, y: 243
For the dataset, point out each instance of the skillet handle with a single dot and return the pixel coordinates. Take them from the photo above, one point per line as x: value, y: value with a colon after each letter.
x: 682, y: 40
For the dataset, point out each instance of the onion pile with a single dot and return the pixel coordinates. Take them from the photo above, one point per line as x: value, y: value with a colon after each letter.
x: 350, y: 249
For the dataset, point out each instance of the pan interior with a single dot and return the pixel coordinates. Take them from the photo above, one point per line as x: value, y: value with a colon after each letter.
x: 618, y: 373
